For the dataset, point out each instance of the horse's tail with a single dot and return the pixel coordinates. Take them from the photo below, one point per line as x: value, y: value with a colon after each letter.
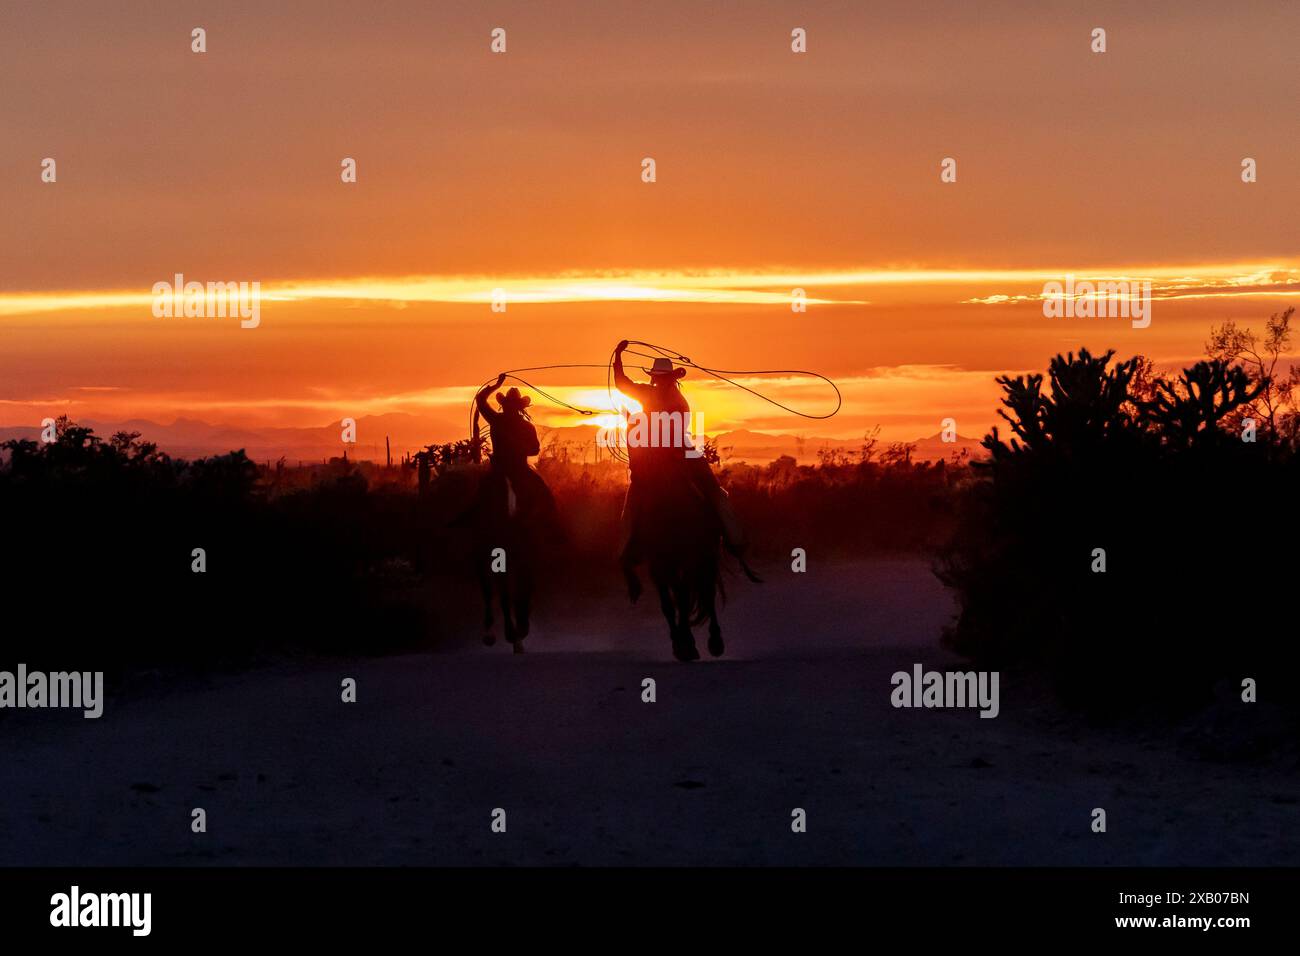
x: 699, y: 611
x: 700, y: 606
x: 716, y: 584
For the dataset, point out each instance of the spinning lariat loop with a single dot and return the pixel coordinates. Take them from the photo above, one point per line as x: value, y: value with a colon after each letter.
x: 473, y: 409
x: 547, y: 395
x: 660, y: 352
x: 723, y: 373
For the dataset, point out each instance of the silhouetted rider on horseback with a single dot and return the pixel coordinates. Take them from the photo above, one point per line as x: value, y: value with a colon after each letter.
x: 514, y: 441
x: 654, y: 463
x: 512, y: 515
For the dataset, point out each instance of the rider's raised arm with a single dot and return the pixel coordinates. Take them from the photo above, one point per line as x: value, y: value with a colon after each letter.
x: 481, y: 400
x: 624, y: 384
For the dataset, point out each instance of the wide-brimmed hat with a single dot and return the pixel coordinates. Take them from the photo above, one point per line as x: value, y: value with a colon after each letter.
x: 663, y: 366
x: 513, y: 401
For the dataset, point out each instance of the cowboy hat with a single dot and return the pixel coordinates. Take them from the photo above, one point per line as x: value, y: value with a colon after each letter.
x: 513, y: 401
x: 664, y: 366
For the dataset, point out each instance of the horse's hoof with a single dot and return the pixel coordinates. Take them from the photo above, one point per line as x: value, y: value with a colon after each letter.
x: 686, y: 651
x: 519, y: 647
x: 716, y: 647
x: 489, y: 638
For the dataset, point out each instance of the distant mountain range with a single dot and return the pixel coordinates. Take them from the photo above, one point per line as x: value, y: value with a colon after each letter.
x: 191, y: 438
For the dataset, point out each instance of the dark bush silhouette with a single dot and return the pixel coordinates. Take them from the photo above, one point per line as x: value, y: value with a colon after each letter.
x: 97, y: 557
x: 1198, y: 527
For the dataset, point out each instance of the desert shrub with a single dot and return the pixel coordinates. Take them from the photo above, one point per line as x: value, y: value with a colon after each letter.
x: 97, y: 552
x: 1196, y: 525
x: 848, y: 508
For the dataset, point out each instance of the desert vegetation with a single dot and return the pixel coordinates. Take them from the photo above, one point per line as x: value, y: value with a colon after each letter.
x: 1183, y: 484
x: 349, y: 557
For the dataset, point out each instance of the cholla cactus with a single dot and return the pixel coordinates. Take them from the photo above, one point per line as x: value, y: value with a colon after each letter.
x: 1187, y: 411
x: 1085, y: 405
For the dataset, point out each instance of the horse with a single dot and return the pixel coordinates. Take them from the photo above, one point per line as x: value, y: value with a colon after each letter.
x: 679, y: 537
x: 506, y: 527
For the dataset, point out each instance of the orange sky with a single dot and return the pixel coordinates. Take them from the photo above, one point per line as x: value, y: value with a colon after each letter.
x: 522, y: 171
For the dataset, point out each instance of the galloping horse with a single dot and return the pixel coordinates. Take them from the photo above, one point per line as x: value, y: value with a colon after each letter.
x: 676, y: 516
x: 512, y: 510
x: 506, y: 533
x: 680, y: 535
x: 682, y: 544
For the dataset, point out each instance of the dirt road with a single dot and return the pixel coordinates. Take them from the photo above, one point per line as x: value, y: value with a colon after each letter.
x: 797, y: 715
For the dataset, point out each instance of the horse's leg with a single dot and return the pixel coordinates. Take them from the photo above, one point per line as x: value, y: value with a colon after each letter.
x: 670, y: 614
x: 666, y: 604
x: 507, y: 617
x: 630, y: 579
x: 522, y: 602
x: 685, y: 639
x: 708, y: 582
x: 626, y: 558
x: 485, y: 586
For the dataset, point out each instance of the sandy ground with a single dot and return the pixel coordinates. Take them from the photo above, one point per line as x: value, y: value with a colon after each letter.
x: 796, y: 715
